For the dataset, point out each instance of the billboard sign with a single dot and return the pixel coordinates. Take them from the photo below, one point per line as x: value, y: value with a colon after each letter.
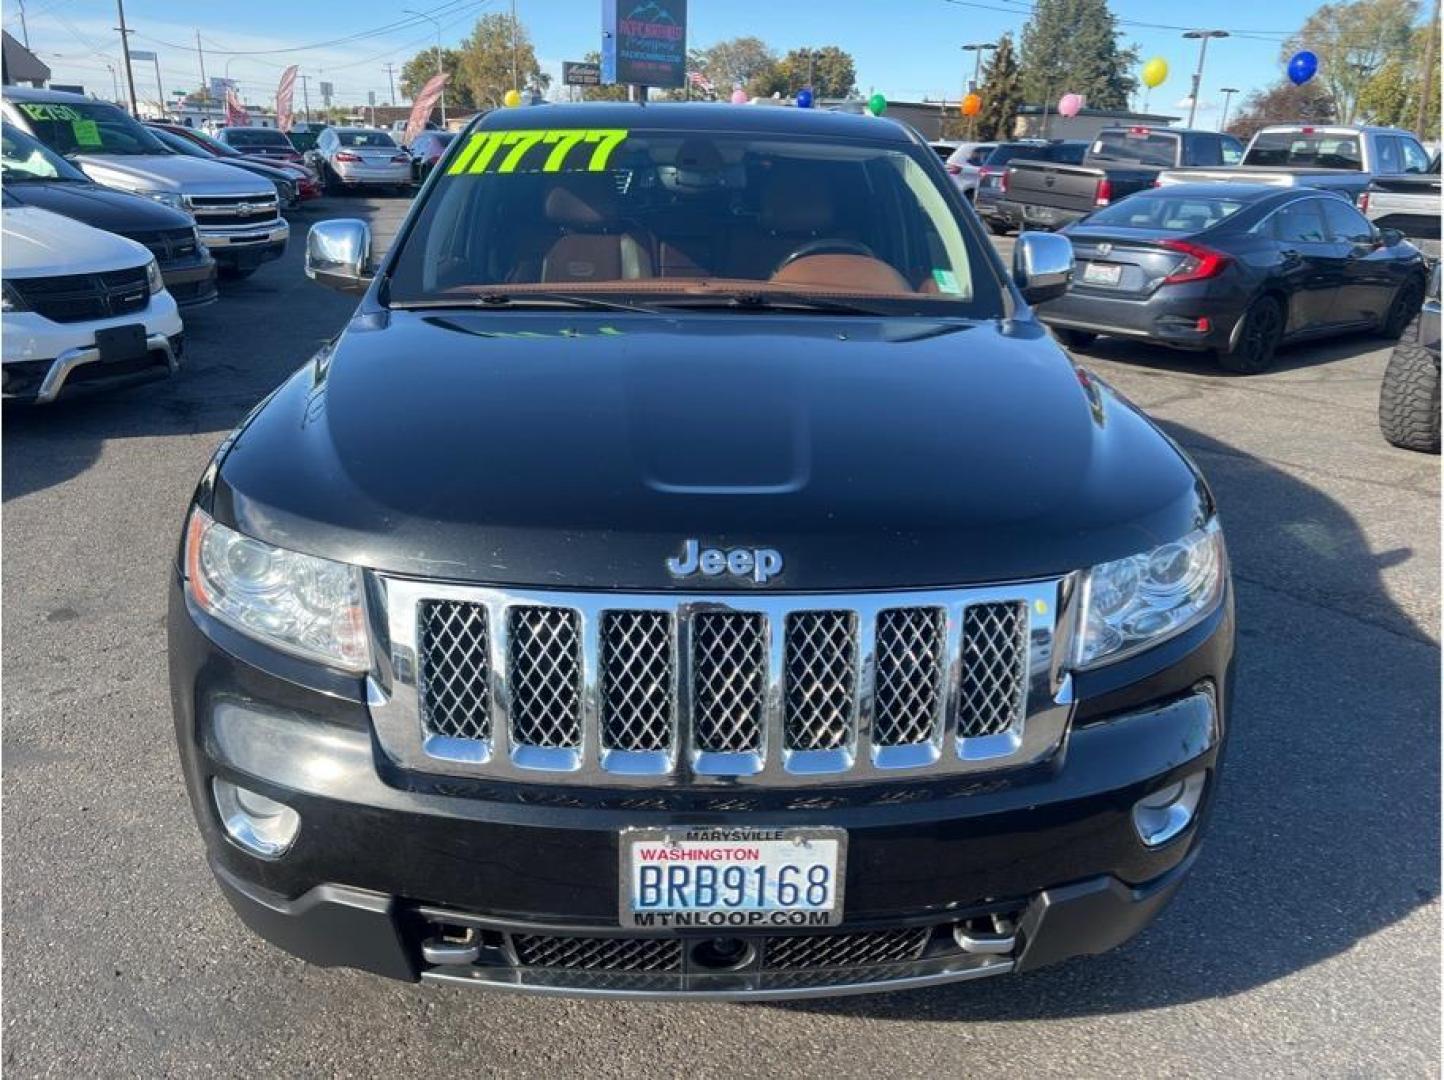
x: 575, y: 73
x: 645, y: 42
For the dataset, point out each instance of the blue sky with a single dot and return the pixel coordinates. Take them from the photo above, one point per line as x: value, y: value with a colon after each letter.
x: 905, y: 49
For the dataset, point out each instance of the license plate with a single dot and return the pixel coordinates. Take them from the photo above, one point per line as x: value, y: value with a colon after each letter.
x: 732, y: 878
x: 1102, y: 273
x: 119, y: 343
x: 1040, y: 213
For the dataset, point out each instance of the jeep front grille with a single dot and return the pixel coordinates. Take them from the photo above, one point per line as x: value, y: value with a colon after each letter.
x: 618, y: 689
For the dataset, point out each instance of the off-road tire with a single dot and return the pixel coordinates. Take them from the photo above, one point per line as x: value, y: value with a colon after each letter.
x: 1409, y: 396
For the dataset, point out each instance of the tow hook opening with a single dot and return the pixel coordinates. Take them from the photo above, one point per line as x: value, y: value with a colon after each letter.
x: 987, y: 935
x: 723, y: 954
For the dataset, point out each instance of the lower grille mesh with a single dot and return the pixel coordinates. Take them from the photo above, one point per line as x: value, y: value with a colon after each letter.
x: 597, y: 953
x: 845, y: 950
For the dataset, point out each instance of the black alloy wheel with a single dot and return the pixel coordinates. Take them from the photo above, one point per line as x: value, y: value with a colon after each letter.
x: 1263, y: 328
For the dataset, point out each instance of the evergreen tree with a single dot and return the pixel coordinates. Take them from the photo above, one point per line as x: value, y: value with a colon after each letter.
x: 1071, y: 46
x: 1001, y: 91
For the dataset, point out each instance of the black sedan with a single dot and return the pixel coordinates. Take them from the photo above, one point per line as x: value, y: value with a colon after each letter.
x: 1236, y: 270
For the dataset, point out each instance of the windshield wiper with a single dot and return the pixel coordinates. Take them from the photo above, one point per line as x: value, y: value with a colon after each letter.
x: 523, y: 300
x: 759, y: 301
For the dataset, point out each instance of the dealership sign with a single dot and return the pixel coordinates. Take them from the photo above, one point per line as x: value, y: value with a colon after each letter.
x: 575, y: 73
x: 644, y: 41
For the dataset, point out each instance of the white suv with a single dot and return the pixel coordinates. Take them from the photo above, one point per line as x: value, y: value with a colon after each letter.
x: 82, y: 308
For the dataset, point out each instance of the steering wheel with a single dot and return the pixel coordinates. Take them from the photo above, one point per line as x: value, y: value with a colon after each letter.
x: 826, y: 247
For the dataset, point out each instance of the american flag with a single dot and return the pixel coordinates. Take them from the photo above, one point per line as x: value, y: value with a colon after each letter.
x: 284, y: 93
x: 701, y: 82
x: 236, y: 115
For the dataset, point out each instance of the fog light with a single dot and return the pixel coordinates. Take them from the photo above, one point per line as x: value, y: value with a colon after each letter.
x: 1167, y: 812
x: 258, y: 824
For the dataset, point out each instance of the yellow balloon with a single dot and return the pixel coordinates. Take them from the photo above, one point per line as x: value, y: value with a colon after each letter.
x: 511, y: 99
x: 1154, y: 72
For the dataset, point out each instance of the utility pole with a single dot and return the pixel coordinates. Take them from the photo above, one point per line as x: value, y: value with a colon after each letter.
x: 811, y: 68
x: 1202, y: 37
x: 977, y: 49
x: 1228, y: 93
x: 125, y: 53
x: 205, y: 83
x: 24, y: 30
x: 514, y: 75
x: 1424, y: 72
x: 306, y: 97
x: 392, y: 80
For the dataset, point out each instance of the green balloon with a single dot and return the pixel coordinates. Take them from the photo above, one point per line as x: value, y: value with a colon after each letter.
x: 877, y: 104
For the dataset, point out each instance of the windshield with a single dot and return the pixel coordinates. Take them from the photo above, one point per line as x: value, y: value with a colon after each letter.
x: 25, y: 159
x: 179, y: 144
x: 88, y: 127
x: 365, y: 138
x: 1003, y: 154
x: 1139, y: 147
x: 248, y: 137
x: 1169, y: 213
x: 660, y: 213
x: 213, y: 144
x: 1314, y: 150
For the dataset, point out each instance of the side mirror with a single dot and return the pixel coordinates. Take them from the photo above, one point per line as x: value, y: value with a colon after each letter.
x: 338, y: 254
x: 1390, y: 237
x: 1042, y: 265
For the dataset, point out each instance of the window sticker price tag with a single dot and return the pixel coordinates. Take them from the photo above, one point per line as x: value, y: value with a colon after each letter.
x: 546, y: 150
x: 87, y: 132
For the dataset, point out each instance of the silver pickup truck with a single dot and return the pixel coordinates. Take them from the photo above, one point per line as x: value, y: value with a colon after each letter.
x: 1409, y: 203
x: 1335, y: 157
x: 237, y: 214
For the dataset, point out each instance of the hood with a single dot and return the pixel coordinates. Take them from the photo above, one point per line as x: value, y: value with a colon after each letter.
x: 38, y: 243
x: 170, y: 172
x: 103, y: 208
x: 583, y: 451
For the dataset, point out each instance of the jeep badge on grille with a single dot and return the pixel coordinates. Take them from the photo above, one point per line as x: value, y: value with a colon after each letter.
x: 760, y: 563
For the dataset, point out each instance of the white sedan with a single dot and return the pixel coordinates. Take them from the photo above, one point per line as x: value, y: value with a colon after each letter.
x: 83, y: 309
x: 348, y: 157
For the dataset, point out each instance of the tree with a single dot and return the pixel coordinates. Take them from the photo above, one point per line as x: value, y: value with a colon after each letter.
x: 1283, y: 103
x: 1071, y: 46
x: 833, y: 73
x: 1353, y: 42
x: 614, y: 92
x: 486, y: 64
x: 1001, y: 91
x: 1385, y: 98
x: 421, y: 67
x: 735, y: 62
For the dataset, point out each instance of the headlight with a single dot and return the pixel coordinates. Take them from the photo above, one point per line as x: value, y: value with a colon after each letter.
x: 308, y: 606
x: 1133, y: 603
x: 153, y: 278
x: 12, y: 301
x: 168, y: 198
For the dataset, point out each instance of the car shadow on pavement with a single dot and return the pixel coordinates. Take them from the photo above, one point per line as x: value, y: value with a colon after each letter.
x: 1327, y: 828
x: 1303, y: 356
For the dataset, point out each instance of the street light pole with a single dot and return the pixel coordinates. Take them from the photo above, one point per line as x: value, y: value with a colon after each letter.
x: 1202, y: 36
x: 1228, y: 93
x: 436, y: 23
x: 125, y: 53
x: 24, y: 30
x: 977, y: 49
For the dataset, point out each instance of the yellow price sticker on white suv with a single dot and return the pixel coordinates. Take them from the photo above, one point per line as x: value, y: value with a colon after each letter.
x: 547, y: 150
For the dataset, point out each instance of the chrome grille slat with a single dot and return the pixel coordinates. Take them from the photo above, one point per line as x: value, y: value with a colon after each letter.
x: 821, y: 665
x: 729, y: 673
x: 638, y: 670
x: 911, y: 668
x: 455, y: 669
x: 990, y: 698
x: 544, y: 674
x: 742, y: 688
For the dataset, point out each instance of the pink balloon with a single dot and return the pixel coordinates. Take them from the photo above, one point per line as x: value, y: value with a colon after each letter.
x: 1069, y: 105
x: 739, y: 96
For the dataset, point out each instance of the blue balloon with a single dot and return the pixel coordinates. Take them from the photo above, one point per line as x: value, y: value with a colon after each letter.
x: 1302, y: 66
x: 804, y: 98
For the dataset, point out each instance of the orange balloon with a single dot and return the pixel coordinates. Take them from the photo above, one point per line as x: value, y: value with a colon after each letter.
x: 972, y: 105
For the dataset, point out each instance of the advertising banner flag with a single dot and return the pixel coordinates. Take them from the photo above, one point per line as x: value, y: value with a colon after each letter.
x: 421, y: 108
x: 284, y: 93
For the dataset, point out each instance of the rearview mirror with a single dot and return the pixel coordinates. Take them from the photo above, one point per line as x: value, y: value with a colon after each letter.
x: 1042, y: 265
x: 338, y: 254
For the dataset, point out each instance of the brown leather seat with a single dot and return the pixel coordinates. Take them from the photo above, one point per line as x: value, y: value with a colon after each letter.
x: 595, y: 244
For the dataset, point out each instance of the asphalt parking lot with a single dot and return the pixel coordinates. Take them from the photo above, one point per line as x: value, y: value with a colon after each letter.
x: 1306, y: 942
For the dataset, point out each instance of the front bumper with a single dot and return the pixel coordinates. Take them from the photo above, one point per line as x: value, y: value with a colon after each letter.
x: 191, y: 284
x: 246, y: 245
x: 360, y: 175
x: 390, y: 869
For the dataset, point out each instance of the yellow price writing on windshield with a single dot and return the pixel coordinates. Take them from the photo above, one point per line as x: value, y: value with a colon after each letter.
x: 541, y: 150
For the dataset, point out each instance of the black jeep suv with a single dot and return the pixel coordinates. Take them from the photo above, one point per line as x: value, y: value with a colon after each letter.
x: 693, y: 571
